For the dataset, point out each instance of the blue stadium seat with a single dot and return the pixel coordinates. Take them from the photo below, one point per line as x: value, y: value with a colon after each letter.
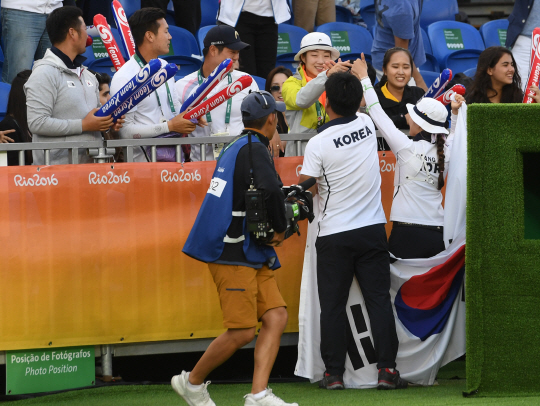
x: 456, y: 45
x: 169, y: 17
x: 1, y: 58
x: 431, y: 63
x: 493, y: 32
x: 260, y: 81
x: 186, y: 51
x: 130, y: 6
x: 295, y: 35
x: 470, y: 72
x: 367, y: 12
x: 437, y: 10
x: 360, y: 40
x: 343, y: 15
x: 4, y: 95
x: 429, y: 77
x: 201, y: 34
x: 103, y: 64
x: 209, y: 10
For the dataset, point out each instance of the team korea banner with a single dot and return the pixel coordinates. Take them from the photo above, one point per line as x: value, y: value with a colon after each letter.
x: 427, y: 294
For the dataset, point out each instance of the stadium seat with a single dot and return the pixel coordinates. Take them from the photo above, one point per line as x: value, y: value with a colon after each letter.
x: 185, y: 51
x: 470, y: 72
x: 4, y: 95
x: 429, y: 77
x: 343, y: 15
x: 1, y: 59
x: 431, y: 63
x: 349, y: 39
x: 289, y: 40
x: 169, y: 17
x: 209, y: 10
x: 494, y: 33
x: 201, y: 34
x: 103, y: 64
x: 456, y: 45
x: 437, y: 10
x: 130, y: 6
x: 367, y: 12
x: 261, y: 82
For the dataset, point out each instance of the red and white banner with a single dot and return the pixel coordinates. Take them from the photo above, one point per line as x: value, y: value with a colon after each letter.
x: 108, y: 40
x: 534, y: 73
x: 236, y: 87
x: 123, y: 27
x: 446, y: 97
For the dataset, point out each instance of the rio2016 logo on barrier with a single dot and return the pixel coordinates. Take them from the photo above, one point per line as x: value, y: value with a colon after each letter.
x: 109, y: 179
x: 387, y: 167
x: 167, y: 176
x: 35, y: 180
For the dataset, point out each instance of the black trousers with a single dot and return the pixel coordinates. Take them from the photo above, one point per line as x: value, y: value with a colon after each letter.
x: 262, y: 34
x: 187, y: 13
x: 363, y: 253
x: 415, y: 242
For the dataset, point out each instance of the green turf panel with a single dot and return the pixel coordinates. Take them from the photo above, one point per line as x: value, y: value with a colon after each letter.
x: 502, y: 266
x: 448, y: 392
x: 531, y: 186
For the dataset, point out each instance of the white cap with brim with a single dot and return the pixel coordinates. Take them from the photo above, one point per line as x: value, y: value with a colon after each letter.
x: 430, y: 115
x: 315, y: 41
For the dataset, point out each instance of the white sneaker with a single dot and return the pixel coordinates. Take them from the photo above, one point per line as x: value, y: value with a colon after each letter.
x: 269, y: 400
x: 199, y: 397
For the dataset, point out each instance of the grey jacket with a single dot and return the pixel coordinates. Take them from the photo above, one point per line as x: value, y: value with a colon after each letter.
x: 57, y: 100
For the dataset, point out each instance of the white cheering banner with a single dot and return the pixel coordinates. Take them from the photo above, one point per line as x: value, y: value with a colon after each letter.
x: 164, y: 74
x: 439, y: 84
x: 138, y: 81
x: 427, y: 294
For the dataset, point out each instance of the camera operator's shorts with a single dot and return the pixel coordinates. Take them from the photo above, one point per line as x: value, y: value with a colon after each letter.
x: 245, y: 294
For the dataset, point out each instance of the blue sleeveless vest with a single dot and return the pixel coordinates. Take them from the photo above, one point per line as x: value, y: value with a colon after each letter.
x: 208, y: 236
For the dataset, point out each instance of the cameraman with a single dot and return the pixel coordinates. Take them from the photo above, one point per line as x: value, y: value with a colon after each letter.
x: 242, y: 268
x: 351, y: 240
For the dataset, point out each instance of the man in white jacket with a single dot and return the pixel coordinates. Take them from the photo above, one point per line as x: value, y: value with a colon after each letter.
x: 24, y: 34
x: 158, y: 113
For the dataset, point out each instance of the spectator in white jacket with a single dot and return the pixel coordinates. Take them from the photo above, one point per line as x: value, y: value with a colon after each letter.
x: 24, y: 34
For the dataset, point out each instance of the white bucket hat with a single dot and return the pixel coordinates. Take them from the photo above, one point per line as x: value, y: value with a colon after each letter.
x: 430, y: 115
x: 315, y: 41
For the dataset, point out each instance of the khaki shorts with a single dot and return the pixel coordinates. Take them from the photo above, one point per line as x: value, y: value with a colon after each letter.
x: 245, y: 293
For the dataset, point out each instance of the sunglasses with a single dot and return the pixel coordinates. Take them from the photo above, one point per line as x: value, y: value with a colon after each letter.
x: 275, y: 88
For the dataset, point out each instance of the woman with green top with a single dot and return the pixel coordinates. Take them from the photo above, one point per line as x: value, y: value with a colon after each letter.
x: 303, y: 93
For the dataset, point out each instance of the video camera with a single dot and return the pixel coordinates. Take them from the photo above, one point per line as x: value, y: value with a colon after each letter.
x: 298, y: 206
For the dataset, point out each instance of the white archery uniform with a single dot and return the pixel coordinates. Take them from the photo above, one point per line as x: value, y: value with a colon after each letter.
x: 343, y: 157
x: 416, y: 197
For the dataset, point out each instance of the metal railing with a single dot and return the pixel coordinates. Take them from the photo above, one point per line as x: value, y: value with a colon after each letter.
x: 72, y: 146
x: 103, y: 151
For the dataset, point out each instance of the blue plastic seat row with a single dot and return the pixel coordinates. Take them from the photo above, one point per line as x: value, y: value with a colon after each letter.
x: 447, y: 43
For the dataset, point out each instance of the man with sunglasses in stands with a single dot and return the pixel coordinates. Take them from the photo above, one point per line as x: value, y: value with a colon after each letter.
x: 220, y: 43
x: 242, y: 268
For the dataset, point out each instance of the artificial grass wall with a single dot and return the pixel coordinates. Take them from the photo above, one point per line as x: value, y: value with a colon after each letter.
x: 502, y: 265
